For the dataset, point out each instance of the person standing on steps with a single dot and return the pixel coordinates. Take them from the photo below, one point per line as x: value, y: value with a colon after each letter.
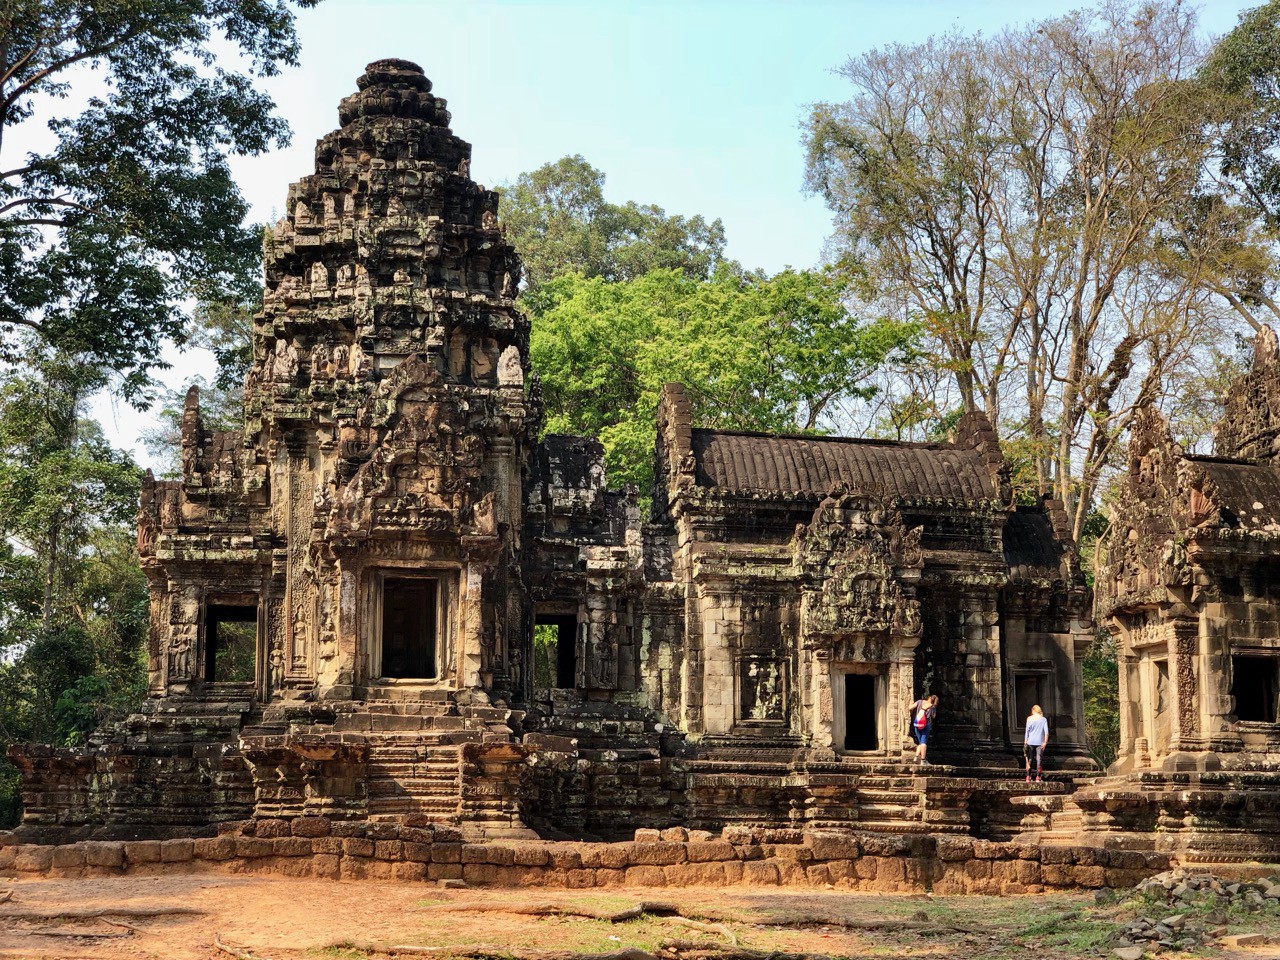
x: 1034, y: 740
x: 923, y: 713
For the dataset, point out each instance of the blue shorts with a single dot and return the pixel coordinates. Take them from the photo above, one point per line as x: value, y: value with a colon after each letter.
x: 922, y: 735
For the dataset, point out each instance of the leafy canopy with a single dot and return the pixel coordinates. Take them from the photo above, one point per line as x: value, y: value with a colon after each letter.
x: 756, y: 353
x: 129, y: 207
x: 559, y: 221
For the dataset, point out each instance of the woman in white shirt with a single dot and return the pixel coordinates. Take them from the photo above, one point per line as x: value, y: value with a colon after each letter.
x: 1034, y: 740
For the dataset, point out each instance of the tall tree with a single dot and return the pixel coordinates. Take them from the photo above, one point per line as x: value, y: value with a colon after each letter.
x: 559, y: 222
x: 73, y: 601
x: 129, y: 208
x: 755, y: 352
x: 1038, y: 200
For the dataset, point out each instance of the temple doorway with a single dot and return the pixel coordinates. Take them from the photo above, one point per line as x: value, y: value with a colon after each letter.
x: 410, y: 627
x: 861, y: 712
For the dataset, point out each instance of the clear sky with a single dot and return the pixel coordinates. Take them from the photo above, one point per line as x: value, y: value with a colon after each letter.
x: 695, y: 106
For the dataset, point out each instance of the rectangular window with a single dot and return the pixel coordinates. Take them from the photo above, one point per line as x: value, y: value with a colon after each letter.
x: 410, y: 628
x: 1254, y: 687
x: 230, y: 643
x: 555, y: 652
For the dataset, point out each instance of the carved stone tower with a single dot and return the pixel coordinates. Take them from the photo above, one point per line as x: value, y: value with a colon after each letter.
x: 385, y: 425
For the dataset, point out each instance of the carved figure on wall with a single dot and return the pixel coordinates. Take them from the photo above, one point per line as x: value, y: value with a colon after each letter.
x: 604, y: 663
x: 761, y: 690
x: 510, y: 372
x: 275, y: 666
x: 180, y: 658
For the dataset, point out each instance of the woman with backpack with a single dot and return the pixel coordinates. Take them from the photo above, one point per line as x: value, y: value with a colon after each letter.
x: 922, y: 715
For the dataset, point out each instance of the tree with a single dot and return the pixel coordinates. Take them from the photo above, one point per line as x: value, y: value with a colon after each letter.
x: 73, y: 601
x: 755, y: 352
x: 559, y: 222
x: 1038, y: 200
x: 131, y: 208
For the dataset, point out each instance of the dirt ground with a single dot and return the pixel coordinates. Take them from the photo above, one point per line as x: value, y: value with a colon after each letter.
x: 178, y: 917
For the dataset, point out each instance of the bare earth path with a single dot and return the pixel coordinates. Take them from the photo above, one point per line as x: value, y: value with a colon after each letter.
x: 177, y: 917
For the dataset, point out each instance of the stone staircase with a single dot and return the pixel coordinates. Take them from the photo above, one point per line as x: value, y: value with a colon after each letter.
x: 404, y: 754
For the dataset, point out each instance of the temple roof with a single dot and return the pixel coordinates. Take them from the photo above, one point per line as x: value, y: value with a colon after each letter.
x: 815, y: 466
x: 1248, y: 490
x: 1032, y: 549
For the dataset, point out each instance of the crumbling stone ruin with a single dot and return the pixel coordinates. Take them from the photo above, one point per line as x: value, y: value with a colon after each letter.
x: 1190, y: 589
x: 345, y: 593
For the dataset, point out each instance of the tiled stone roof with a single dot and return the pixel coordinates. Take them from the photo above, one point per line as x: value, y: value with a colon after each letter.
x: 815, y: 466
x: 1249, y: 492
x: 1031, y: 547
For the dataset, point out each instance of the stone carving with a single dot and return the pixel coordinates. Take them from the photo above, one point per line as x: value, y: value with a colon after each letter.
x: 510, y: 369
x: 394, y: 508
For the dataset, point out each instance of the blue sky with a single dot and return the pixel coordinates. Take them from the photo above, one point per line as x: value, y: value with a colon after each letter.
x: 694, y: 106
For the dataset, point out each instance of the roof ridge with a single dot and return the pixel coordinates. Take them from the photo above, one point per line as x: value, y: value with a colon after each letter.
x: 869, y: 441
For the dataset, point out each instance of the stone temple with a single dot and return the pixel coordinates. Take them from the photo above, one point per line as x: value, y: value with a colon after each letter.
x: 345, y: 593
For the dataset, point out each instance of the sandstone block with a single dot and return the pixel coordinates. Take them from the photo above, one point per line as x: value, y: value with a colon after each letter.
x: 499, y: 855
x: 833, y: 846
x: 410, y: 870
x: 580, y: 879
x: 270, y: 829
x: 177, y: 851
x: 444, y: 871
x: 656, y: 854
x: 711, y: 851
x: 531, y: 856
x: 214, y: 848
x: 310, y: 827
x: 357, y: 847
x: 291, y: 846
x: 474, y: 853
x: 388, y: 850
x: 253, y: 847
x: 32, y: 858
x: 418, y: 852
x: 646, y: 877
x: 954, y: 848
x: 674, y: 835
x: 647, y: 835
x: 760, y: 873
x: 69, y: 856
x: 329, y: 846
x: 142, y: 851
x: 565, y: 858
x: 479, y: 874
x: 446, y: 853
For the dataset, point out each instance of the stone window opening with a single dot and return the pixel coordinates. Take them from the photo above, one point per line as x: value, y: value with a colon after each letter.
x: 859, y: 695
x: 555, y: 652
x: 408, y: 641
x: 1255, y: 688
x: 230, y: 643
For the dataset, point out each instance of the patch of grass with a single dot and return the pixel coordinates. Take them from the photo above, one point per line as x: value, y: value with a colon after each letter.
x: 339, y: 951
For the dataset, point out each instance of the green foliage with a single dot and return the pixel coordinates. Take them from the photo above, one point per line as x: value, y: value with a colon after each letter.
x: 1102, y: 699
x: 1245, y: 69
x: 757, y: 353
x: 132, y: 208
x: 546, y: 643
x: 559, y: 222
x: 73, y: 601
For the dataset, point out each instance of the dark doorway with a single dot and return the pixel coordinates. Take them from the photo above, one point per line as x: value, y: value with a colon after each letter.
x: 410, y: 615
x: 230, y: 643
x: 1253, y: 684
x: 860, y: 712
x: 555, y: 652
x: 1028, y: 692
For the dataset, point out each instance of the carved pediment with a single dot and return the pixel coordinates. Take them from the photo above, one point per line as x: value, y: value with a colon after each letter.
x: 854, y: 555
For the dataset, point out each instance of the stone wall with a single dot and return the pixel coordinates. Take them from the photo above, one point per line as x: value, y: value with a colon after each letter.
x: 317, y: 847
